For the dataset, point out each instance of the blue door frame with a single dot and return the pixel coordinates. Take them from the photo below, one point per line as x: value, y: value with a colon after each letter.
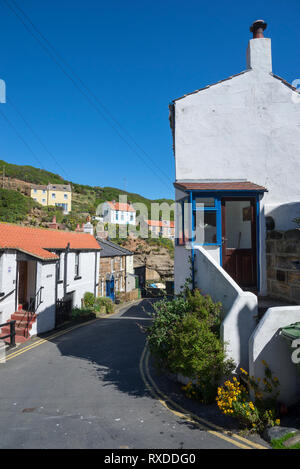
x: 110, y: 288
x: 218, y: 195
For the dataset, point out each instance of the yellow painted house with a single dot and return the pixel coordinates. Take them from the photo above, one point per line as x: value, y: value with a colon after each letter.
x: 59, y: 195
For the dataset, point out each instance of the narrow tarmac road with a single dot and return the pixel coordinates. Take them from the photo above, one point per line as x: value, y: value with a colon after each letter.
x: 85, y: 389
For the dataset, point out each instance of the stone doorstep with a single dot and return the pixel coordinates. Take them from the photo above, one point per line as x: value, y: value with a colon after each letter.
x: 292, y: 441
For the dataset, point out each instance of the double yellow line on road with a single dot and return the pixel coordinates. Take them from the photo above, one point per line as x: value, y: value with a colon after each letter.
x: 179, y: 411
x: 166, y: 401
x: 37, y: 343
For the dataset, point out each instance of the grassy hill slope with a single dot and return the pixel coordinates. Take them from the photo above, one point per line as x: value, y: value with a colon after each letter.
x: 85, y: 198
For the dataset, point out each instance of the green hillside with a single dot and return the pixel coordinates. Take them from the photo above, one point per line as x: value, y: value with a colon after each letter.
x: 14, y: 207
x: 30, y: 174
x: 85, y: 199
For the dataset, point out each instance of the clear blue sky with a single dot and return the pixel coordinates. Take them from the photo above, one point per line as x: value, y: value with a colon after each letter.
x: 135, y: 56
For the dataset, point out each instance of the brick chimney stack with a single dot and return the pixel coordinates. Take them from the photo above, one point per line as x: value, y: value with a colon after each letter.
x: 53, y: 225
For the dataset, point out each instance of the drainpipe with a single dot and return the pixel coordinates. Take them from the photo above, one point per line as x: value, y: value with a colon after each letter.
x: 66, y: 268
x: 96, y: 283
x: 192, y: 238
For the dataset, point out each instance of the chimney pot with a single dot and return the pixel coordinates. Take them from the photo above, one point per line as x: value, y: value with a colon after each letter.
x: 258, y: 28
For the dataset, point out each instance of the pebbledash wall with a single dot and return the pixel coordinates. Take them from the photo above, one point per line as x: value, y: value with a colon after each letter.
x: 283, y: 264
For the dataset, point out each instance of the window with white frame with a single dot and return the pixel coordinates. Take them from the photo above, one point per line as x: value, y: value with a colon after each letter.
x: 77, y: 264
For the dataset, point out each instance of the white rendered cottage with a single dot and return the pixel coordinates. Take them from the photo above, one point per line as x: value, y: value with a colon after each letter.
x: 38, y: 267
x: 237, y: 158
x: 118, y: 213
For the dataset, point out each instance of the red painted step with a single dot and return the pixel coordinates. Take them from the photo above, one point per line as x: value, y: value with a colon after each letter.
x: 19, y: 331
x: 24, y: 315
x: 19, y: 339
x: 24, y: 321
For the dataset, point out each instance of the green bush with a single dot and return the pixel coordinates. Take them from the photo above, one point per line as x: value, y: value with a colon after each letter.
x: 81, y: 313
x: 196, y: 352
x: 89, y: 300
x: 184, y: 338
x: 104, y: 302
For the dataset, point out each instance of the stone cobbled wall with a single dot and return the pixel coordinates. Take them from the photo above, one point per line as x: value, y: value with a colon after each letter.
x: 283, y: 264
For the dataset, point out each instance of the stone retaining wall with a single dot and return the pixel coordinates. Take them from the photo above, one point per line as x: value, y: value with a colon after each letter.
x: 283, y: 265
x: 131, y: 295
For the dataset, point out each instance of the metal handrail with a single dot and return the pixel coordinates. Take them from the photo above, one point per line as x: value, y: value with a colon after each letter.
x: 12, y: 332
x: 8, y: 294
x: 33, y: 306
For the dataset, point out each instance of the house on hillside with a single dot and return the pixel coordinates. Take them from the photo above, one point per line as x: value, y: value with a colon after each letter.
x: 162, y: 228
x: 39, y: 267
x: 118, y: 213
x: 59, y: 195
x: 116, y: 272
x: 236, y: 146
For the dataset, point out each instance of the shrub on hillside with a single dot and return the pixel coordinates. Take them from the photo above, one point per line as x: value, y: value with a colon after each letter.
x: 14, y: 207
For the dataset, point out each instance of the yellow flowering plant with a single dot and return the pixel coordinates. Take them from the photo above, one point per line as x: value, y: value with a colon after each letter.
x: 234, y: 399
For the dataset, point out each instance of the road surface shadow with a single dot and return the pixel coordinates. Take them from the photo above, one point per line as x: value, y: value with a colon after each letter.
x: 113, y: 346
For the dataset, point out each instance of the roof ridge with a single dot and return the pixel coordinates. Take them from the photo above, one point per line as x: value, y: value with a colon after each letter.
x: 213, y: 84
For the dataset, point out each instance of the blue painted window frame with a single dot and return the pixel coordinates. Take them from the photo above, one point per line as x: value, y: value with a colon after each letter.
x: 218, y: 197
x: 216, y: 209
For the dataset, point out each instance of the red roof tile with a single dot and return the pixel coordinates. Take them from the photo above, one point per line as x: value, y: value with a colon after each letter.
x: 122, y: 207
x: 164, y: 223
x: 220, y: 186
x: 38, y: 241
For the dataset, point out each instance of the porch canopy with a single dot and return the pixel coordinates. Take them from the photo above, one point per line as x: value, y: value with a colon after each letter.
x: 219, y: 186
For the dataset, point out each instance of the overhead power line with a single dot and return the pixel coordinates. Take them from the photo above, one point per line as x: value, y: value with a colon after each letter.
x: 8, y: 121
x: 13, y: 105
x: 93, y: 100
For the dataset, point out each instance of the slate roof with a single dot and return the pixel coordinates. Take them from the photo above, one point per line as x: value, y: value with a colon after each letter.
x: 38, y: 242
x: 110, y: 249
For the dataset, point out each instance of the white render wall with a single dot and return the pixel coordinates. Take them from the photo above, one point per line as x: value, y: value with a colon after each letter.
x: 87, y: 273
x: 267, y: 344
x: 111, y: 216
x: 244, y: 128
x: 239, y: 307
x: 8, y: 266
x: 182, y: 267
x: 45, y: 276
x: 130, y: 277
